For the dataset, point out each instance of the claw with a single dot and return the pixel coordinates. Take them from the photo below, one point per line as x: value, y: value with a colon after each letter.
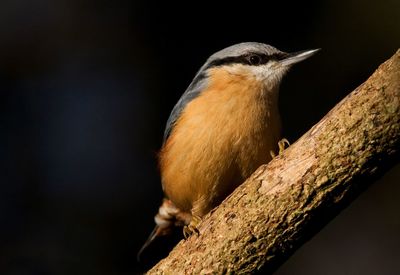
x: 282, y: 145
x: 188, y: 230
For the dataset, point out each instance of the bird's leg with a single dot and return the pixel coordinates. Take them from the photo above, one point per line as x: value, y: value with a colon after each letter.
x: 191, y: 228
x: 282, y: 146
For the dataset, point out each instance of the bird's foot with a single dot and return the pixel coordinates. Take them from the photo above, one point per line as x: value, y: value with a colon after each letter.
x: 282, y: 145
x: 191, y: 228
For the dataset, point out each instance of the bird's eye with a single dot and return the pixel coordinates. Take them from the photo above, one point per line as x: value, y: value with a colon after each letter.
x: 254, y: 59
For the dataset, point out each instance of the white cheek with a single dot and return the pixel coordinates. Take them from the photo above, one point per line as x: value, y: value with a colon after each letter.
x: 271, y: 72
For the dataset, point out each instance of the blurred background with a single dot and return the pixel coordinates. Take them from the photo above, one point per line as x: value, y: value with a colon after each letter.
x: 87, y: 86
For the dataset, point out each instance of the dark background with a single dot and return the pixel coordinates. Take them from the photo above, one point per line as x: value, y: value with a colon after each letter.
x: 87, y: 86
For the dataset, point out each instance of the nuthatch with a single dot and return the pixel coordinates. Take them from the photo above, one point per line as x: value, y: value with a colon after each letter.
x: 223, y: 127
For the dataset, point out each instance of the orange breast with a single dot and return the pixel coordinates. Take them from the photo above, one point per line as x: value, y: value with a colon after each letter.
x: 221, y: 137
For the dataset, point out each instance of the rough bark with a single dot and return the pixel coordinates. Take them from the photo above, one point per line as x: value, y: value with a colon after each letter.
x: 288, y: 200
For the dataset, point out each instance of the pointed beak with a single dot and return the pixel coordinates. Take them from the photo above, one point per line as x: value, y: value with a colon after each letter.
x: 293, y: 58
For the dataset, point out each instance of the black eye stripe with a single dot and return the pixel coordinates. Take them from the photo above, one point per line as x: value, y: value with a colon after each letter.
x: 245, y: 59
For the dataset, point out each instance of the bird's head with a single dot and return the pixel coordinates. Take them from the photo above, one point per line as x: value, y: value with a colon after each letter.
x: 256, y: 60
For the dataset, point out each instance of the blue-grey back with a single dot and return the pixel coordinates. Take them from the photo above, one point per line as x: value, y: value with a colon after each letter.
x: 194, y: 89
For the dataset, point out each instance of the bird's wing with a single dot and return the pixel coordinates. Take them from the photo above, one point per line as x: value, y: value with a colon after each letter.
x: 198, y: 84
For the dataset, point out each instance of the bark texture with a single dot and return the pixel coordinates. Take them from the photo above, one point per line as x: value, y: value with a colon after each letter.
x: 287, y: 201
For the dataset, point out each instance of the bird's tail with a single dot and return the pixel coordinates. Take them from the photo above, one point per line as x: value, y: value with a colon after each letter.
x: 168, y: 217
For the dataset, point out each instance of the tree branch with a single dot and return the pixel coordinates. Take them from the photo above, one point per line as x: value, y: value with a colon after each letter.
x: 287, y: 201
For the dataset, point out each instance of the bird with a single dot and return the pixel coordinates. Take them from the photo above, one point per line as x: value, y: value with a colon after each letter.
x: 224, y: 126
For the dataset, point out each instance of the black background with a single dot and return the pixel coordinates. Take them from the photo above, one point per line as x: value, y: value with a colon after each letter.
x: 87, y: 86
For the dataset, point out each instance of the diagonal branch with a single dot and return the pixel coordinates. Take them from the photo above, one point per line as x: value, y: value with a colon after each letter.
x: 288, y: 200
